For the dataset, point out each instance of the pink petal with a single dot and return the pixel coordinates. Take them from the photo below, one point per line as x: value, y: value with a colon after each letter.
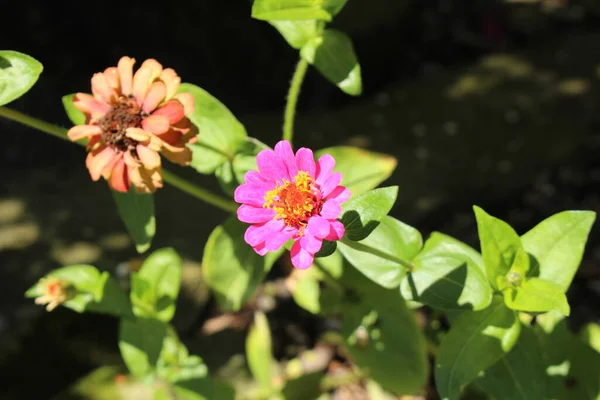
x: 301, y: 258
x: 271, y: 166
x: 125, y: 68
x: 260, y: 249
x: 102, y: 90
x: 90, y: 105
x: 340, y: 194
x: 310, y: 243
x: 254, y: 215
x: 337, y: 231
x: 318, y: 226
x: 149, y: 158
x: 156, y: 124
x: 119, y: 178
x: 306, y: 161
x: 256, y: 234
x: 82, y: 131
x: 324, y: 168
x: 257, y: 178
x: 173, y: 110
x: 171, y: 80
x: 331, y: 183
x: 284, y: 150
x: 249, y: 194
x: 331, y: 209
x: 155, y: 96
x: 276, y: 240
x: 96, y: 161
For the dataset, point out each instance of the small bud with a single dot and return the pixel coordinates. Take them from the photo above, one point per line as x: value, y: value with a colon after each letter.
x: 54, y: 292
x: 514, y: 278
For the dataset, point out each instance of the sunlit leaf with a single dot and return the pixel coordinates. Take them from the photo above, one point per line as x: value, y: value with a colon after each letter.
x: 137, y: 212
x: 362, y: 214
x: 18, y: 73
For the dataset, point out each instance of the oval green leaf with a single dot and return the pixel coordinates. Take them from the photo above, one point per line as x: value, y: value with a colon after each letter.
x: 384, y: 255
x: 362, y: 214
x: 221, y: 134
x: 231, y: 173
x: 333, y: 55
x: 476, y: 340
x: 76, y: 116
x: 258, y: 351
x: 362, y: 170
x: 448, y: 275
x: 231, y: 267
x: 296, y: 33
x: 18, y: 73
x: 292, y: 10
x: 137, y: 212
x: 537, y: 295
x: 306, y: 293
x: 557, y: 245
x: 140, y: 342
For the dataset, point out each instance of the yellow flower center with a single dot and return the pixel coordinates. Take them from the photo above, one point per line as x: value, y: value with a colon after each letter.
x: 295, y: 202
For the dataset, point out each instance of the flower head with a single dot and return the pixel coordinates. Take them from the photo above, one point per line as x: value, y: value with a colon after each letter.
x: 130, y: 119
x: 292, y: 197
x: 54, y: 292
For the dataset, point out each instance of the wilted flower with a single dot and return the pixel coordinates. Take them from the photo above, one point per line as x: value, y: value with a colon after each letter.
x: 130, y: 119
x: 292, y: 197
x: 54, y: 292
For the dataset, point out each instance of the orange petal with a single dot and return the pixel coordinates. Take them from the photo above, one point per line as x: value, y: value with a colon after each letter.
x: 102, y: 90
x: 112, y: 77
x: 173, y: 110
x: 96, y: 161
x: 149, y: 158
x: 125, y: 68
x: 171, y: 80
x: 90, y: 105
x: 177, y: 155
x: 155, y: 96
x: 137, y: 134
x: 143, y: 78
x: 119, y: 179
x: 154, y: 66
x: 156, y: 124
x: 81, y: 131
x: 187, y: 101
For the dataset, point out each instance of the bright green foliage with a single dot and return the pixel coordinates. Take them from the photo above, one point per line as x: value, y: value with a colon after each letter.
x: 447, y: 274
x: 306, y: 291
x: 590, y: 334
x: 385, y: 254
x: 537, y: 295
x: 332, y: 53
x: 140, y: 342
x: 156, y: 286
x: 476, y: 340
x: 258, y: 352
x: 18, y: 73
x: 296, y: 33
x: 361, y: 170
x: 222, y: 135
x: 231, y: 267
x: 231, y: 173
x: 362, y: 214
x: 137, y: 212
x: 76, y: 116
x: 557, y: 243
x: 292, y: 10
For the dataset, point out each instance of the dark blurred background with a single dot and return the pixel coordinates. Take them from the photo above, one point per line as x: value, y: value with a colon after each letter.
x: 483, y: 102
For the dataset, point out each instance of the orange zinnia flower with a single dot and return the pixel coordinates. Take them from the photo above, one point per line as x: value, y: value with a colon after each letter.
x: 130, y: 119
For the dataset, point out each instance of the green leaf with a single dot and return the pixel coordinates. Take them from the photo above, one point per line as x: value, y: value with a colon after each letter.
x: 140, y: 342
x: 501, y: 247
x: 393, y: 353
x: 258, y: 352
x: 110, y: 298
x: 161, y: 277
x: 590, y: 334
x: 362, y: 214
x: 296, y: 33
x: 384, y: 255
x: 231, y: 173
x: 333, y: 55
x: 194, y: 389
x: 137, y: 212
x: 476, y: 340
x: 221, y: 134
x: 362, y: 170
x: 448, y: 275
x: 292, y: 10
x: 306, y: 293
x: 557, y: 245
x: 304, y: 387
x: 537, y: 295
x: 76, y: 116
x: 18, y: 73
x: 231, y: 267
x: 518, y: 375
x: 334, y: 6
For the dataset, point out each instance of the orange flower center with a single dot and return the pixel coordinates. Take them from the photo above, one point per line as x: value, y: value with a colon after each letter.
x: 295, y: 202
x: 125, y: 114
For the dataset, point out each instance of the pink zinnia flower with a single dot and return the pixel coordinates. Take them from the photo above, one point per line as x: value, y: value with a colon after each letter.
x: 130, y: 119
x: 292, y: 197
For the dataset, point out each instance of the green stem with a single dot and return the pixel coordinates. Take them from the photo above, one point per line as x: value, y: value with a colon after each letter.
x: 180, y: 183
x: 292, y: 100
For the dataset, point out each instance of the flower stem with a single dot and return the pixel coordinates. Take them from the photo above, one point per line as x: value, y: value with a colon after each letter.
x: 292, y: 99
x: 180, y: 183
